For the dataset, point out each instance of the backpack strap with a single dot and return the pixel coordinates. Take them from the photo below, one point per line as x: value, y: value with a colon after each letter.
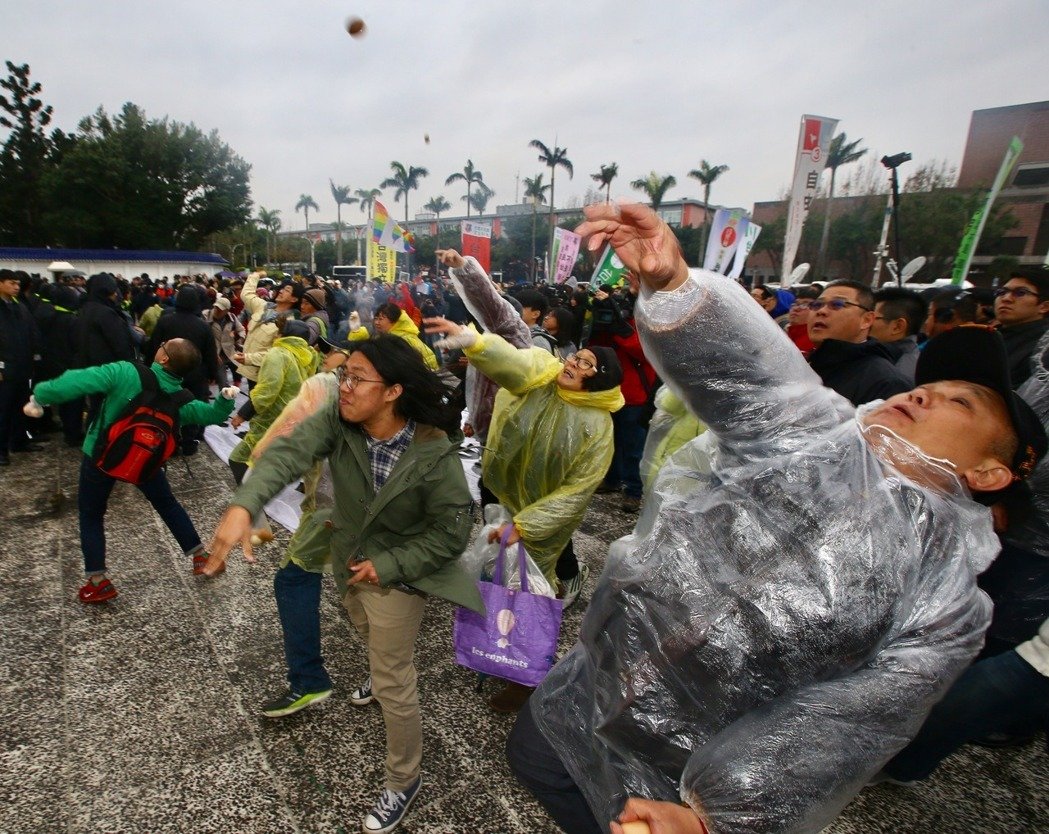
x: 151, y: 385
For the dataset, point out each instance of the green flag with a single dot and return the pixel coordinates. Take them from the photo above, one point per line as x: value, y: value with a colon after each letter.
x: 963, y: 260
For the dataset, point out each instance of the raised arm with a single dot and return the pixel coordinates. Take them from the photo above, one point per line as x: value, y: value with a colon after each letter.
x: 493, y: 312
x: 732, y: 365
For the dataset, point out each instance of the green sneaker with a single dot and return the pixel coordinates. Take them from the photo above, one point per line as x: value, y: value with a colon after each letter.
x: 292, y: 702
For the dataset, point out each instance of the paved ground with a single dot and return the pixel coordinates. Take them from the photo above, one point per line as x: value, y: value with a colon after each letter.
x: 141, y: 715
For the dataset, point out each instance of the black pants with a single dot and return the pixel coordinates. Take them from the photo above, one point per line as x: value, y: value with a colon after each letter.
x: 14, y: 393
x: 537, y: 766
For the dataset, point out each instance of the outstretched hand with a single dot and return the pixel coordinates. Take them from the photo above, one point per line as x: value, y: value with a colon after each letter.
x: 451, y: 258
x: 234, y: 528
x: 642, y: 240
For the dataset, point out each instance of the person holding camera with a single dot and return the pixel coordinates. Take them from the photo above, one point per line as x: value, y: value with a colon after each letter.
x: 614, y: 327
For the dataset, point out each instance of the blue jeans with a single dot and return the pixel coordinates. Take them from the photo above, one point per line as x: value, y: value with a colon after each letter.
x: 629, y: 439
x: 298, y: 595
x: 1003, y: 694
x: 95, y: 487
x: 537, y: 766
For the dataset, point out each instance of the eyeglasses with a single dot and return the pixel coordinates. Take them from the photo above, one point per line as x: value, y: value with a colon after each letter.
x: 351, y: 381
x: 585, y: 364
x: 835, y: 304
x: 1015, y: 292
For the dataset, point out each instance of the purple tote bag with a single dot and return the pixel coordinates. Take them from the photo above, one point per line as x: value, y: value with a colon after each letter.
x: 517, y: 638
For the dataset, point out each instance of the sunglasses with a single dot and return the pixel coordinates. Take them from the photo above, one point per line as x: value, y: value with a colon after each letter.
x: 835, y: 304
x: 1015, y: 292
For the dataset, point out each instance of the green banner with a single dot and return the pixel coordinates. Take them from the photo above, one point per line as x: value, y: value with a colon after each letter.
x: 609, y: 269
x: 963, y: 260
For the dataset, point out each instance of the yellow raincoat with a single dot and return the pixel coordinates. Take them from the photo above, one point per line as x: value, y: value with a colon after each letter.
x: 406, y: 329
x: 284, y: 368
x: 548, y: 448
x: 672, y: 426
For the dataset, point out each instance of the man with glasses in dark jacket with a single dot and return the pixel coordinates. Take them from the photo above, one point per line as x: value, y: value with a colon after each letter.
x: 1020, y: 307
x: 846, y: 358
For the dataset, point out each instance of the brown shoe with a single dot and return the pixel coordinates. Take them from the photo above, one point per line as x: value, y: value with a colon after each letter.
x: 511, y: 697
x: 631, y: 504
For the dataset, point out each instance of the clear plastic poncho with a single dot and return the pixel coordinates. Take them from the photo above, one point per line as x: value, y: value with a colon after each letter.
x: 796, y: 608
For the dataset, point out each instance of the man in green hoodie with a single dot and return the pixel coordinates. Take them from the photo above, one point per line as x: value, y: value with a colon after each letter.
x: 119, y: 383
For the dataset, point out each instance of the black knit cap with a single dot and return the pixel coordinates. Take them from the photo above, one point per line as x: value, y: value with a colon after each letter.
x: 977, y: 355
x: 609, y: 371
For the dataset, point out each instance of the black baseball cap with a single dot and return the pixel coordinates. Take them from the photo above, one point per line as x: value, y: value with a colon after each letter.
x: 974, y: 353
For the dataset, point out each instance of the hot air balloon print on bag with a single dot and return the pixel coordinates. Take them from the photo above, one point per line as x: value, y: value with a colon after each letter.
x: 504, y: 621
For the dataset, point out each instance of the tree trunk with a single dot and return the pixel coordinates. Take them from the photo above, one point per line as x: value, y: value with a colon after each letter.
x: 550, y: 247
x: 338, y: 233
x: 468, y: 184
x: 531, y: 267
x: 706, y: 226
x: 821, y: 259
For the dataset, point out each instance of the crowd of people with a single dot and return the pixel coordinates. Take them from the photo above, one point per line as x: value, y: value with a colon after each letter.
x: 841, y: 551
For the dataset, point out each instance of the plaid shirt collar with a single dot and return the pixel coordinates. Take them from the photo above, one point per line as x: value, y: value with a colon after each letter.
x: 384, y: 454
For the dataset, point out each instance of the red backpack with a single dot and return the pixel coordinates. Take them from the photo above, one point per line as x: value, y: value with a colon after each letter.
x: 136, y: 444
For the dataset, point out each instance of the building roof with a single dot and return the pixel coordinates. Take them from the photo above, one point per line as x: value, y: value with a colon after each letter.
x: 9, y: 253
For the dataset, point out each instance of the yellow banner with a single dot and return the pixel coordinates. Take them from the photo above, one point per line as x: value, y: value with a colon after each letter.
x: 382, y: 263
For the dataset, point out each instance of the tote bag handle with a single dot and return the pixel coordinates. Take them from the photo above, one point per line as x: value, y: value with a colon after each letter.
x: 522, y: 571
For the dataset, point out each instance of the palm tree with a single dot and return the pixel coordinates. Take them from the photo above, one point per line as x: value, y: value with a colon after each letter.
x: 706, y: 174
x: 270, y: 221
x: 841, y: 152
x: 341, y: 195
x: 366, y: 198
x: 306, y: 202
x: 479, y: 199
x: 552, y: 159
x: 655, y: 187
x: 470, y: 175
x: 605, y: 176
x: 404, y: 179
x: 535, y: 189
x: 437, y: 205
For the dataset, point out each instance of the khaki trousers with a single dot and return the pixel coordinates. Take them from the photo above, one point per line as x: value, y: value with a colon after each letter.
x: 388, y: 621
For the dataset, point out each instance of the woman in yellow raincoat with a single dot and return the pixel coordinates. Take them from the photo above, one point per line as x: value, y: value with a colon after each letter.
x: 284, y: 368
x: 549, y: 446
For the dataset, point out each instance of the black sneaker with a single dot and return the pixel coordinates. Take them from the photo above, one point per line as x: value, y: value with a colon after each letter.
x: 391, y: 808
x: 362, y: 695
x: 292, y: 702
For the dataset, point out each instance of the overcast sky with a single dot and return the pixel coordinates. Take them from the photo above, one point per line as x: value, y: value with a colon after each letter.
x: 650, y: 86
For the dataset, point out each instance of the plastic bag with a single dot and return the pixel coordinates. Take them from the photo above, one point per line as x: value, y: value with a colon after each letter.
x: 478, y: 560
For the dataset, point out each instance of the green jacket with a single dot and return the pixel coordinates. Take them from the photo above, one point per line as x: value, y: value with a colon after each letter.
x: 120, y: 384
x: 413, y: 530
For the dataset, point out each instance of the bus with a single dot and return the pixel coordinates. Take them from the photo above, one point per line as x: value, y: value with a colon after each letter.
x: 345, y: 273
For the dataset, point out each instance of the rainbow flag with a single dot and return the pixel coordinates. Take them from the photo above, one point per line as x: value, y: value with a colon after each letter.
x: 386, y: 232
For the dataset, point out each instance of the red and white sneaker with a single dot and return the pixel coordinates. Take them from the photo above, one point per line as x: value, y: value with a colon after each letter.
x: 200, y: 560
x: 92, y: 593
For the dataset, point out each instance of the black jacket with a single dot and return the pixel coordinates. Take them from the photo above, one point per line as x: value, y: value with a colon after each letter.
x: 1020, y: 342
x: 859, y: 372
x: 103, y: 332
x: 184, y: 322
x: 18, y: 340
x: 57, y: 322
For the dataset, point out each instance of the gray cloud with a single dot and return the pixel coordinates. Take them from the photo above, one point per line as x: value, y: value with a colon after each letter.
x: 650, y: 86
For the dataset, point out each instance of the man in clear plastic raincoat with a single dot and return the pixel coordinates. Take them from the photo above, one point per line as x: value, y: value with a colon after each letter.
x: 800, y: 603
